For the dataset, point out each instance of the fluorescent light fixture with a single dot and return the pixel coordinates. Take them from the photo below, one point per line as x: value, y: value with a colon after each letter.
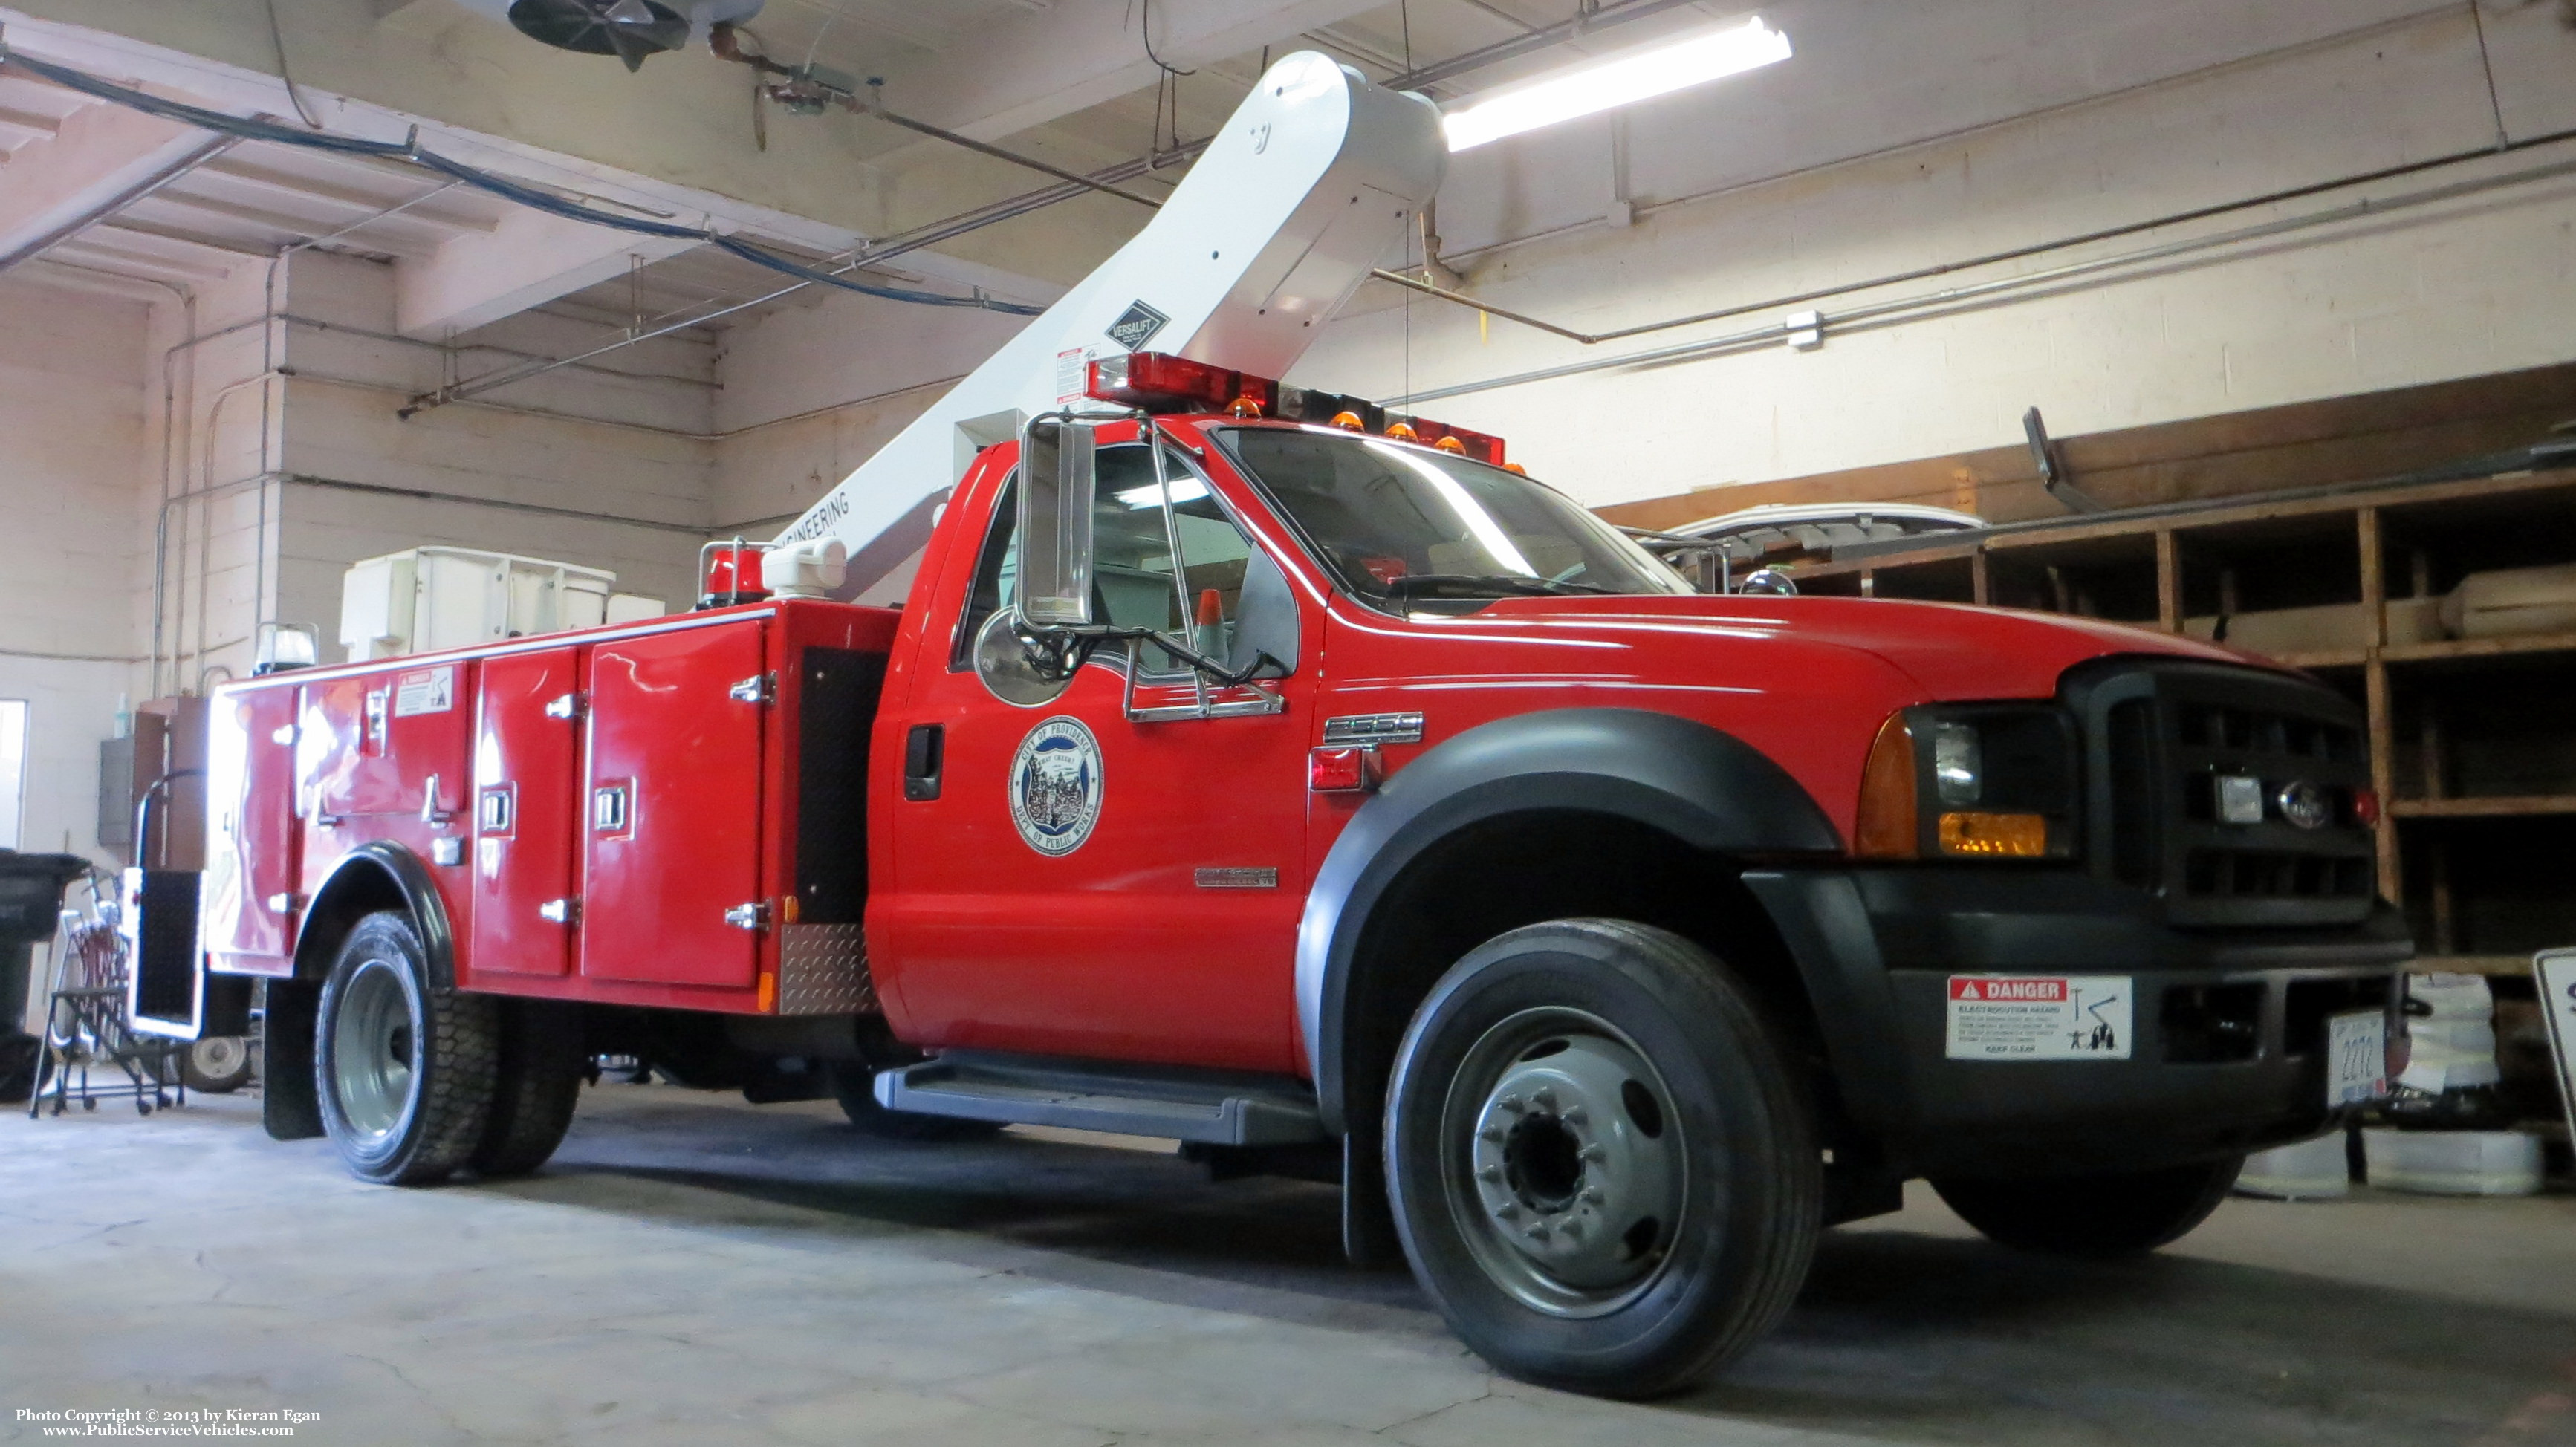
x: 1638, y: 75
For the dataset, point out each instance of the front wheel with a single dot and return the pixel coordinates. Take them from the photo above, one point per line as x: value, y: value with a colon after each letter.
x: 404, y: 1070
x: 1602, y: 1168
x: 2107, y: 1213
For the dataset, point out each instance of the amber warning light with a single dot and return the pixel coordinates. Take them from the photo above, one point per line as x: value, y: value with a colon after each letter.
x: 1161, y: 383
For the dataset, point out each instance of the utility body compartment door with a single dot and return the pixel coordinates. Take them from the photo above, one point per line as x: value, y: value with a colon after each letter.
x: 251, y: 849
x: 672, y: 807
x: 527, y: 787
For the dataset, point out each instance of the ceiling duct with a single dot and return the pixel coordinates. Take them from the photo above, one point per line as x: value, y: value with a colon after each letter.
x: 631, y: 30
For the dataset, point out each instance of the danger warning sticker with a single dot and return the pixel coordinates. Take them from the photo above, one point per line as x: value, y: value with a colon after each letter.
x: 425, y: 690
x: 2038, y: 1017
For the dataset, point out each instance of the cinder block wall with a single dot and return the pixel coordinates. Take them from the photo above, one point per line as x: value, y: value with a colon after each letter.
x: 2470, y: 287
x: 72, y: 463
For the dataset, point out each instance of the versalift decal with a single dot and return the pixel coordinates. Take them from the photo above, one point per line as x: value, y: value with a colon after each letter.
x: 1056, y: 786
x: 1136, y: 325
x: 2039, y: 1017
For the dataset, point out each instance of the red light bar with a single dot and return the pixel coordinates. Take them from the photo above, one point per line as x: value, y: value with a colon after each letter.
x: 1158, y: 382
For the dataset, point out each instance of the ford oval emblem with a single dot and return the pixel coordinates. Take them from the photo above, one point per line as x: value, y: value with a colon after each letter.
x: 2305, y: 804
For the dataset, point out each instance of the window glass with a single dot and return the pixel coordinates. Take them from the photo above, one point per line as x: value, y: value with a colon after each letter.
x: 1132, y: 567
x: 13, y: 773
x: 1404, y: 524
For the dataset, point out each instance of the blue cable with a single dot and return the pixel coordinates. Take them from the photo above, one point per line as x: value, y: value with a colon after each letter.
x: 529, y: 196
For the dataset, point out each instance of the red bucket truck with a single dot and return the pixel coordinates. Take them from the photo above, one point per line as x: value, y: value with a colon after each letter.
x: 1251, y: 767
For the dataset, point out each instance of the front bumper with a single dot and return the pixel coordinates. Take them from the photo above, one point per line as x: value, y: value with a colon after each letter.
x: 2228, y: 1027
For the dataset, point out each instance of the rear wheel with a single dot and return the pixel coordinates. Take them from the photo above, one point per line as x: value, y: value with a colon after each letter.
x: 404, y: 1070
x: 216, y: 1065
x: 2109, y: 1213
x: 537, y: 1085
x: 1602, y: 1169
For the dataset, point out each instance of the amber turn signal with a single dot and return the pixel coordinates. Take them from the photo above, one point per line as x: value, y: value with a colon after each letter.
x: 1888, y: 827
x: 1451, y: 444
x: 1349, y: 422
x: 1402, y: 432
x: 2004, y: 836
x: 1246, y: 407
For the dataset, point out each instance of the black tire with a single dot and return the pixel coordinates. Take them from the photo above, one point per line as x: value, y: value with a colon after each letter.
x: 404, y: 1070
x: 853, y: 1084
x: 216, y: 1065
x: 22, y: 1060
x: 1648, y: 1107
x: 2107, y: 1214
x: 537, y: 1087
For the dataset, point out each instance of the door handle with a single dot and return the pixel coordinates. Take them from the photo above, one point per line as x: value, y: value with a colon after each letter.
x: 923, y: 753
x: 608, y: 808
x: 496, y: 811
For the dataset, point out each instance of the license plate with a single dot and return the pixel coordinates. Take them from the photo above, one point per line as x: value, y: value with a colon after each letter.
x: 2356, y: 1058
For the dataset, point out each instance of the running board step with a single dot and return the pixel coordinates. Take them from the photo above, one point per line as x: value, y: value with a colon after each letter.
x: 1214, y: 1107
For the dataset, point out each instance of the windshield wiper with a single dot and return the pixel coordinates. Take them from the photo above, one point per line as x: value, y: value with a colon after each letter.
x: 1469, y: 584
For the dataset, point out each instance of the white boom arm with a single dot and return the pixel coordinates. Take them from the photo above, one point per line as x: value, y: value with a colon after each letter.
x: 1312, y: 180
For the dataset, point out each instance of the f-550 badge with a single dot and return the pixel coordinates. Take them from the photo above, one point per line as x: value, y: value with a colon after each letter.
x: 1055, y: 786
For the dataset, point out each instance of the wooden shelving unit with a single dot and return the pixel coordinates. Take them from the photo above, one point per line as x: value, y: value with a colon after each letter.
x: 2473, y: 739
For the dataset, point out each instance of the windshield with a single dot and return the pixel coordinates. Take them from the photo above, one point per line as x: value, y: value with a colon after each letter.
x: 1403, y: 525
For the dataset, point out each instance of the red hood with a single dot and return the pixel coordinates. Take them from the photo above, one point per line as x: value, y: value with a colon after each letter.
x: 1953, y: 650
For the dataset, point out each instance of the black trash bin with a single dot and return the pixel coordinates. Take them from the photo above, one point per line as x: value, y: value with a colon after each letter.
x: 31, y: 902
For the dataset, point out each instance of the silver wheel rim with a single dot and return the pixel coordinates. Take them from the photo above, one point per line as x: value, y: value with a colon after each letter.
x: 372, y: 1042
x: 217, y: 1056
x: 1563, y: 1162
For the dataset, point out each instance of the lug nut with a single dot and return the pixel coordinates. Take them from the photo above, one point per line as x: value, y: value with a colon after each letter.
x: 1591, y: 1153
x: 1576, y: 1116
x: 1592, y: 1196
x: 1511, y: 1103
x: 1492, y: 1174
x: 1493, y: 1133
x: 1544, y: 1098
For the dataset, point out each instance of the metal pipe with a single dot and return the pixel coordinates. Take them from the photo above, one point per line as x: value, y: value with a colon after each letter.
x: 1884, y: 313
x: 213, y: 147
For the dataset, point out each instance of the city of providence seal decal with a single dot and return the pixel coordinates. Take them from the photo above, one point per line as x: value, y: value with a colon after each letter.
x: 1055, y: 786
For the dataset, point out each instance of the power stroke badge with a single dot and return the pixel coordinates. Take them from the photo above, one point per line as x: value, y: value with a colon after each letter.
x: 1055, y: 786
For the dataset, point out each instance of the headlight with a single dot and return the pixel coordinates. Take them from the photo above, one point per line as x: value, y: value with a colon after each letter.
x: 1970, y: 781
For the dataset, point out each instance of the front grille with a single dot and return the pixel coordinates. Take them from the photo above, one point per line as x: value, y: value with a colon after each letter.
x: 2163, y: 738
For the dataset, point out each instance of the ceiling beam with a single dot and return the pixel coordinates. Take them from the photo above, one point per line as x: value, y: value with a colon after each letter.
x: 530, y: 257
x: 1031, y: 69
x: 101, y: 157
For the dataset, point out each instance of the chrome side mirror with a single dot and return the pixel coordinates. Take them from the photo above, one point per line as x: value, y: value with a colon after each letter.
x: 1059, y: 478
x: 1769, y: 582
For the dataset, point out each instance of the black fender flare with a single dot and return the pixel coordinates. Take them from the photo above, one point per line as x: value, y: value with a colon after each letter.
x: 1699, y: 784
x: 410, y: 879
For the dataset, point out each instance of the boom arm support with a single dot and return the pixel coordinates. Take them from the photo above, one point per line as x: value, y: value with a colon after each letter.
x: 1312, y: 179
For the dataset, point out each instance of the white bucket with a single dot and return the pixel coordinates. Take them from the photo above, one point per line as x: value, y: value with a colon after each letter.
x: 2454, y: 1162
x: 2315, y: 1170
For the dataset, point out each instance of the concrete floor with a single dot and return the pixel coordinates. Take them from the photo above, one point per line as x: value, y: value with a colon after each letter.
x: 693, y: 1270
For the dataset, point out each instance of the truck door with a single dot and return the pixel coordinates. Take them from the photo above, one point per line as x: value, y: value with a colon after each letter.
x: 526, y: 805
x: 1086, y: 883
x: 671, y: 851
x: 252, y: 867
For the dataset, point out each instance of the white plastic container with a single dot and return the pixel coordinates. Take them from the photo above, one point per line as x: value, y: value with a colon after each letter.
x: 2316, y: 1170
x: 2453, y: 1048
x: 425, y: 598
x: 2454, y: 1162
